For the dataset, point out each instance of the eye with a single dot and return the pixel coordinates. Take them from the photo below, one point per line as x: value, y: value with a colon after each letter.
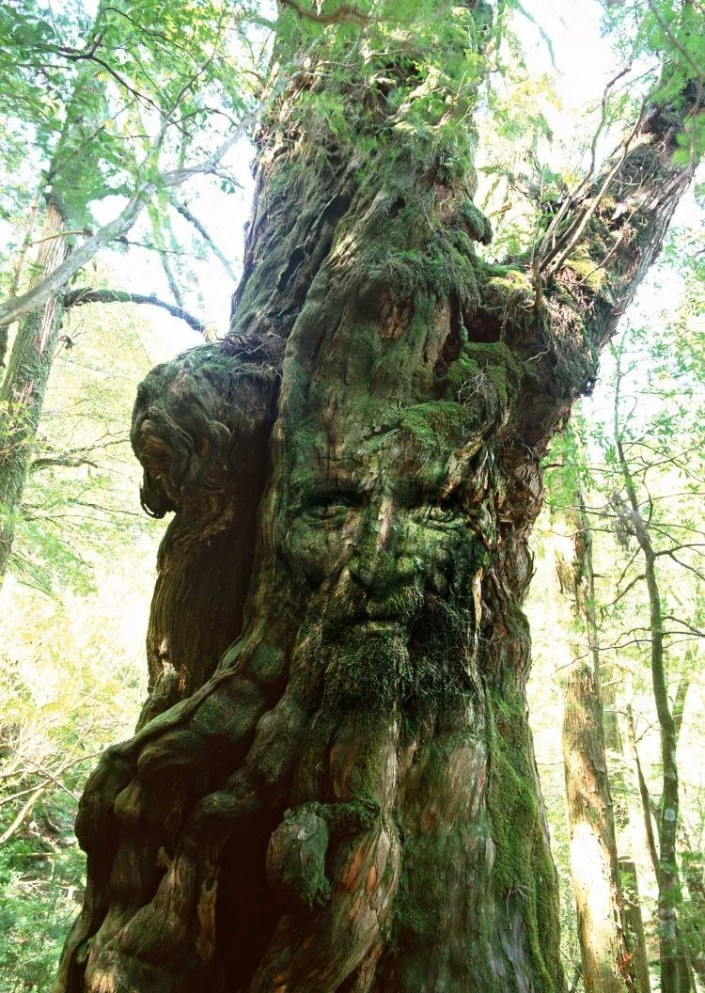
x: 333, y: 508
x: 442, y: 515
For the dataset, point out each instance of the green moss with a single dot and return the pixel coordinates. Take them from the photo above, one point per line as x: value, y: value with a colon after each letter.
x: 500, y: 364
x: 459, y: 374
x: 266, y: 664
x: 477, y: 224
x: 485, y: 376
x: 443, y: 268
x: 299, y: 872
x: 416, y: 905
x: 435, y: 425
x: 523, y: 868
x: 508, y: 291
x: 434, y: 259
x: 591, y: 273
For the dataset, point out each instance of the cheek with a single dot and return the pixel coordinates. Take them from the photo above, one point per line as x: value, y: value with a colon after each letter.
x: 317, y: 550
x: 447, y: 558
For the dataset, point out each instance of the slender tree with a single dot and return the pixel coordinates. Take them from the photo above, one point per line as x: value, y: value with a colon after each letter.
x: 608, y: 959
x: 633, y: 514
x: 333, y: 784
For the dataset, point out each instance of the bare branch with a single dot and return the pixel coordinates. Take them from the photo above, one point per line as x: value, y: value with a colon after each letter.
x: 75, y: 298
x: 679, y: 620
x: 37, y: 296
x: 182, y: 209
x: 620, y: 596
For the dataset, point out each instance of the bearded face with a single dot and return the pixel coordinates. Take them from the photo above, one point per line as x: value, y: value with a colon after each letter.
x: 388, y: 553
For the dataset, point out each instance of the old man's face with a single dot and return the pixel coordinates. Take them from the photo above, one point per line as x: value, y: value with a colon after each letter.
x: 383, y: 536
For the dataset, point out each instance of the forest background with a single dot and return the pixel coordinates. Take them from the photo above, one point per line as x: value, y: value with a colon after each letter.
x: 75, y: 600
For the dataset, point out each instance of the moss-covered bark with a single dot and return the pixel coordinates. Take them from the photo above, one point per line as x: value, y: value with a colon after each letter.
x: 347, y: 800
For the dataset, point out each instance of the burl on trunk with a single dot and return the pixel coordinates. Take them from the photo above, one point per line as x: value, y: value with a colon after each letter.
x: 332, y: 787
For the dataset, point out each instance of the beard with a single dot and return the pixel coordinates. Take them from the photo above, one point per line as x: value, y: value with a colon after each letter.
x: 412, y: 646
x: 368, y: 666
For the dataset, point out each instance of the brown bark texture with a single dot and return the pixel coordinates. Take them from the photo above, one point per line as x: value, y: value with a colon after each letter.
x: 333, y: 787
x: 24, y: 386
x: 635, y: 924
x: 606, y: 956
x: 598, y: 896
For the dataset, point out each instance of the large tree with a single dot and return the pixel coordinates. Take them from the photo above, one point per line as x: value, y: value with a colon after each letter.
x: 332, y: 786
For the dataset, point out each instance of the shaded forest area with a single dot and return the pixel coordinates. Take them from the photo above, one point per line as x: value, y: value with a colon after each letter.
x: 143, y: 145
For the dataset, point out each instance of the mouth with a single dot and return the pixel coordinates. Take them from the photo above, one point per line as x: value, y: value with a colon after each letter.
x: 380, y: 625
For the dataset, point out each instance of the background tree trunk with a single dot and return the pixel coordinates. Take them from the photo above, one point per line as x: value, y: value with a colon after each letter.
x: 607, y: 959
x: 675, y: 970
x: 24, y: 387
x: 634, y: 923
x: 349, y: 802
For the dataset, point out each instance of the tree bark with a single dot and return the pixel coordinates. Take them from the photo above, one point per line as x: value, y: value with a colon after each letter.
x: 346, y: 799
x: 607, y: 959
x: 618, y: 762
x: 24, y: 387
x: 86, y: 294
x: 635, y: 924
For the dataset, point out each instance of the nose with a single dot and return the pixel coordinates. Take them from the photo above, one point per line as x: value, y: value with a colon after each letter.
x: 378, y: 563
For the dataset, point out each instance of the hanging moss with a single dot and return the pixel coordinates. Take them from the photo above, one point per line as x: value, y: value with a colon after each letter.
x: 447, y: 266
x: 475, y: 221
x: 523, y: 870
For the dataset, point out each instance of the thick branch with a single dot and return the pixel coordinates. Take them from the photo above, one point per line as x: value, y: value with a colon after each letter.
x: 616, y: 228
x: 75, y: 298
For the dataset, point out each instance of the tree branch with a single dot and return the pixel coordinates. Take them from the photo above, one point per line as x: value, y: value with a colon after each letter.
x: 182, y: 209
x: 344, y: 14
x: 37, y: 296
x: 619, y: 222
x: 75, y: 298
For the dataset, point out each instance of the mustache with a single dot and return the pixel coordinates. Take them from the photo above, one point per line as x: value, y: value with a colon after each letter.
x: 354, y: 606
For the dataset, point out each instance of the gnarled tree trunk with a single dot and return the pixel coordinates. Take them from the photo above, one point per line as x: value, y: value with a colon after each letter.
x: 342, y: 793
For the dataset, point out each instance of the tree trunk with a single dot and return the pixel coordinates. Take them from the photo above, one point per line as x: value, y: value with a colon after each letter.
x: 635, y: 924
x: 607, y: 961
x: 24, y: 387
x: 625, y: 827
x: 347, y: 799
x: 695, y: 924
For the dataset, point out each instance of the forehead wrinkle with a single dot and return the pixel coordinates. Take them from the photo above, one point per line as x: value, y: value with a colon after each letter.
x: 373, y: 461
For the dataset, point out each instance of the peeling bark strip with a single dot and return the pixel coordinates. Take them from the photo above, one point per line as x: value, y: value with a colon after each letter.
x: 333, y: 785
